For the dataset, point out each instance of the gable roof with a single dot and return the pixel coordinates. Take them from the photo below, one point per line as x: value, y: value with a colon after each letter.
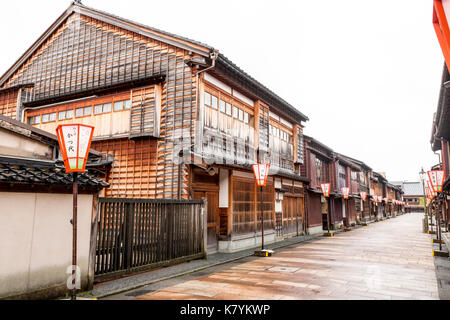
x: 410, y: 188
x: 163, y: 36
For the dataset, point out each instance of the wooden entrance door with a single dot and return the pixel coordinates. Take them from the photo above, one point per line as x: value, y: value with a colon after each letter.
x: 213, y: 216
x: 293, y: 214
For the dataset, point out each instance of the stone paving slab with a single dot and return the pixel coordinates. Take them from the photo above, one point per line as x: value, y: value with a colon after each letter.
x: 136, y: 281
x: 389, y: 260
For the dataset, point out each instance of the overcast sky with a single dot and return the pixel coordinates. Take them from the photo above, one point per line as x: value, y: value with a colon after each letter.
x: 366, y: 73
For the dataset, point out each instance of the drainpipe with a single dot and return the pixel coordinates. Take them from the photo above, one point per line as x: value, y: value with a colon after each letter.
x: 214, y: 55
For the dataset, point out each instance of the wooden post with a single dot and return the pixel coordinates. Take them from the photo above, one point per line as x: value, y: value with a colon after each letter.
x: 93, y: 242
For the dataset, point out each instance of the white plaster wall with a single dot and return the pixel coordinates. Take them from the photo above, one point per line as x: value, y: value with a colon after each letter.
x: 36, y: 240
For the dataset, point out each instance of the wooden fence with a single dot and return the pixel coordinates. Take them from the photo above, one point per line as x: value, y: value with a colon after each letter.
x: 138, y: 234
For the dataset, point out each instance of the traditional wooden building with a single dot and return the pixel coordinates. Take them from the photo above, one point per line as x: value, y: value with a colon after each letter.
x: 359, y: 176
x: 347, y: 176
x: 378, y: 193
x: 319, y: 169
x: 181, y: 120
x: 412, y: 195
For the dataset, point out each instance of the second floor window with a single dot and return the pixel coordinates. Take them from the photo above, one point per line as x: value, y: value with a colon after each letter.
x: 321, y: 171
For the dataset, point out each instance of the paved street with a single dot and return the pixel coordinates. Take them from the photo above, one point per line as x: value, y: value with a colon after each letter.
x: 386, y: 260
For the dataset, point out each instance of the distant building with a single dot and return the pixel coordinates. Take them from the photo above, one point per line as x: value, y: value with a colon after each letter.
x: 413, y: 195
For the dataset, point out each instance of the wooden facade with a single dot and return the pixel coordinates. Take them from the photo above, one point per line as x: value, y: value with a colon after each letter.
x: 180, y: 120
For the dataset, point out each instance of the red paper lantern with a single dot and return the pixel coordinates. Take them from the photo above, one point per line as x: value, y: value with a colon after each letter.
x: 436, y: 178
x: 433, y: 193
x: 75, y: 142
x: 345, y: 192
x: 261, y: 172
x: 325, y: 189
x: 363, y: 195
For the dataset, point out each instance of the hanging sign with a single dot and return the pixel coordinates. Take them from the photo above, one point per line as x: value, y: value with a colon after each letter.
x: 325, y: 189
x: 363, y: 195
x: 428, y: 192
x: 436, y: 179
x: 345, y: 192
x: 261, y: 172
x: 432, y: 192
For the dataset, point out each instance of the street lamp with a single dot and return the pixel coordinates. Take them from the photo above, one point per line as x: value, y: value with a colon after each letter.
x: 326, y: 187
x: 74, y: 141
x: 436, y: 180
x: 345, y: 194
x: 425, y: 219
x: 261, y: 172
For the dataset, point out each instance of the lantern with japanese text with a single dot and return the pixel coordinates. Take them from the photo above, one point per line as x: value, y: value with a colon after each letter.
x: 261, y: 172
x: 75, y: 142
x: 436, y: 178
x: 363, y: 195
x: 325, y: 189
x: 345, y: 192
x: 433, y: 193
x: 429, y: 194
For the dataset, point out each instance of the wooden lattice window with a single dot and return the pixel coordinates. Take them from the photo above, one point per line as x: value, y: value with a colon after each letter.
x: 243, y: 206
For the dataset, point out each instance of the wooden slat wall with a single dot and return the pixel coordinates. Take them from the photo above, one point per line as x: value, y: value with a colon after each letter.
x: 86, y: 53
x: 8, y: 103
x: 133, y: 174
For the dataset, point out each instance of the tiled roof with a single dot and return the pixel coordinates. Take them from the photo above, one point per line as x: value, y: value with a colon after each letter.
x: 40, y: 172
x: 410, y: 188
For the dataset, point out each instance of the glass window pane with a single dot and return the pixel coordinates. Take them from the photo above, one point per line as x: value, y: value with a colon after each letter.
x: 127, y: 104
x: 52, y: 116
x: 235, y: 112
x: 222, y: 106
x: 246, y: 118
x: 107, y: 107
x: 30, y: 120
x: 207, y: 99
x: 214, y: 102
x: 118, y: 106
x: 61, y: 115
x: 98, y: 109
x: 45, y: 118
x: 87, y: 111
x: 37, y: 119
x: 229, y: 109
x: 241, y: 115
x: 69, y: 114
x: 79, y: 112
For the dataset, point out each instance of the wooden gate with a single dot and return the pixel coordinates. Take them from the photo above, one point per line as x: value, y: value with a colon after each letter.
x: 139, y: 234
x: 213, y: 216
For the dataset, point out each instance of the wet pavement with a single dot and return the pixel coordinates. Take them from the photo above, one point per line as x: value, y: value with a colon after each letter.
x: 386, y: 260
